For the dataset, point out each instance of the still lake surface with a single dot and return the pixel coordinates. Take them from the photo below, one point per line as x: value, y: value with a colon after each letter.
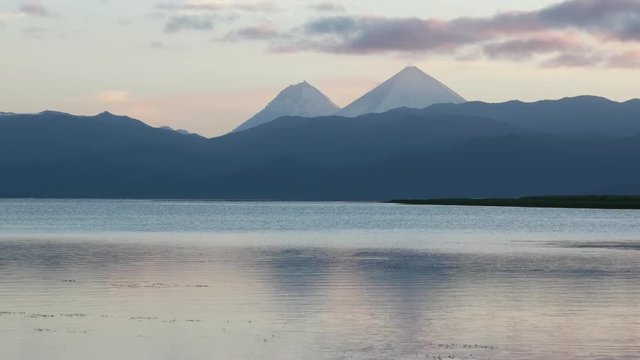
x: 101, y: 279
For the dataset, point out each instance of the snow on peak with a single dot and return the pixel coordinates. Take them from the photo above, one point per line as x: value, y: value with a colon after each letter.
x: 411, y: 69
x: 301, y: 99
x: 410, y: 88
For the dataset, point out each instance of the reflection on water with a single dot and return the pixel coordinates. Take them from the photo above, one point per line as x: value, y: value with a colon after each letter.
x: 311, y: 294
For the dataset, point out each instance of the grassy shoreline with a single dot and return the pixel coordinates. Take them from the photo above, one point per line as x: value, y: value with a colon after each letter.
x: 569, y: 202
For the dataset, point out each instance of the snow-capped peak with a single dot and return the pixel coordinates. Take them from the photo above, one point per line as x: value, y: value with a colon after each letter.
x: 410, y: 88
x: 301, y: 99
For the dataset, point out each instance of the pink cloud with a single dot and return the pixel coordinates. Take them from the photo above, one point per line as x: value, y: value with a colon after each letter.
x: 34, y: 9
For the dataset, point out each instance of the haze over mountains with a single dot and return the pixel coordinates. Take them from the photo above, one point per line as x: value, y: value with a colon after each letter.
x: 410, y: 88
x: 584, y: 145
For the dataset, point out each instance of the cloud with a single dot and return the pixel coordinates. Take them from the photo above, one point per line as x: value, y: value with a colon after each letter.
x: 26, y: 9
x: 188, y: 22
x: 260, y: 32
x: 590, y: 13
x: 213, y: 6
x: 558, y: 32
x: 624, y: 59
x: 157, y: 45
x: 627, y: 59
x: 612, y: 19
x: 573, y: 60
x: 327, y: 6
x: 114, y: 97
x: 631, y: 32
x: 366, y: 35
x: 200, y: 15
x: 525, y: 48
x: 617, y: 19
x: 34, y: 9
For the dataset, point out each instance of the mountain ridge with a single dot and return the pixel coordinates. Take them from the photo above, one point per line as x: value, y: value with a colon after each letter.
x: 437, y: 108
x: 403, y: 153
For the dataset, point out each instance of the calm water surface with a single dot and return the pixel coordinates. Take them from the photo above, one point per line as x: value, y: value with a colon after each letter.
x: 206, y: 280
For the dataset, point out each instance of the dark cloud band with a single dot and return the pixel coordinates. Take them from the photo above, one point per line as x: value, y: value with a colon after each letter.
x: 562, y: 31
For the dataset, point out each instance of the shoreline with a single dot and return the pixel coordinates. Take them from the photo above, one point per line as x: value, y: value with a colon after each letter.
x: 560, y: 202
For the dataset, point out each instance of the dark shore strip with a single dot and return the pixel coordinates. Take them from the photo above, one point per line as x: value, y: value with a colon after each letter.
x: 567, y: 202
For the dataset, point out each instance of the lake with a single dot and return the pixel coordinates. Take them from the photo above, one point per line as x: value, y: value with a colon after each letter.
x: 119, y: 279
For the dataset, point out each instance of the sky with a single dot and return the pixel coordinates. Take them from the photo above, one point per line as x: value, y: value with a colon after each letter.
x: 208, y: 65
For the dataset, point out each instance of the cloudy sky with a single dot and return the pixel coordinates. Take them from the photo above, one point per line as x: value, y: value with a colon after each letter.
x: 208, y: 65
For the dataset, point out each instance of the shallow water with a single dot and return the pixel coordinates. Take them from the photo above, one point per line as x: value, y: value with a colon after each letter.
x: 193, y: 280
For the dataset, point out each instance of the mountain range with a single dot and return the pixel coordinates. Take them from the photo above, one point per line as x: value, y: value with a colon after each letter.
x: 582, y: 145
x: 410, y: 88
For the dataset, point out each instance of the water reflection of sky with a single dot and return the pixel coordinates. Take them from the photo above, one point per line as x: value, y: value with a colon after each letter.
x: 175, y: 280
x: 179, y: 299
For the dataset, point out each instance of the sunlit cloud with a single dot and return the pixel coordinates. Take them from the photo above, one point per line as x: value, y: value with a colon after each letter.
x: 327, y: 6
x: 627, y: 59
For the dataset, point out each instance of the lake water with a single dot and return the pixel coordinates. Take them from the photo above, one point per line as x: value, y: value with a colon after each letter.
x: 212, y: 280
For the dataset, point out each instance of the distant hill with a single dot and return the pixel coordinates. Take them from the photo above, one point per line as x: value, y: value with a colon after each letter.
x: 55, y: 154
x: 301, y: 99
x: 438, y: 152
x: 578, y: 115
x: 179, y: 131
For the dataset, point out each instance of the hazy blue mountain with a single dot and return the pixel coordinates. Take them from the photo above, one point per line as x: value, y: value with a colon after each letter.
x: 583, y: 114
x: 179, y: 131
x: 54, y: 154
x: 410, y: 88
x: 296, y: 100
x: 404, y: 153
x: 53, y: 135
